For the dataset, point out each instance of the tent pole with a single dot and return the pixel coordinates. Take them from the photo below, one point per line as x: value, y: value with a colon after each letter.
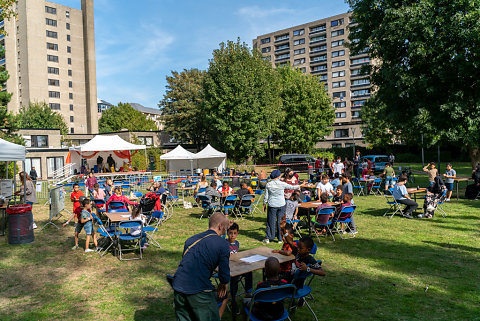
x: 146, y: 164
x: 14, y: 182
x: 6, y: 172
x: 25, y: 184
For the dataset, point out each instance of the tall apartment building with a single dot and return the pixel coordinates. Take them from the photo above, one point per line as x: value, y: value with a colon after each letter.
x: 318, y: 48
x: 50, y: 56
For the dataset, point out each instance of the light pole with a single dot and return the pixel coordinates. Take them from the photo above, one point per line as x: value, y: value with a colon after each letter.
x: 353, y: 141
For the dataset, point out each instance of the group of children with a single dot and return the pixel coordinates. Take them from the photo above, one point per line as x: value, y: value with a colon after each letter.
x: 276, y: 274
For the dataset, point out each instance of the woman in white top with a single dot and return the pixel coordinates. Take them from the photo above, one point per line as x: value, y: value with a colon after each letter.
x: 137, y: 216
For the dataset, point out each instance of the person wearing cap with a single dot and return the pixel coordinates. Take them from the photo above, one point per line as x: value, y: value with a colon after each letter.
x: 274, y: 198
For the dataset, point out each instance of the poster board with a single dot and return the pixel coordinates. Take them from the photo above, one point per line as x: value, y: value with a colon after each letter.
x: 157, y: 178
x: 6, y: 188
x: 57, y: 204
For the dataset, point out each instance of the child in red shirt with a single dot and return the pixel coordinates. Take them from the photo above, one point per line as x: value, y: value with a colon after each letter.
x: 75, y: 196
x: 77, y: 199
x: 286, y: 267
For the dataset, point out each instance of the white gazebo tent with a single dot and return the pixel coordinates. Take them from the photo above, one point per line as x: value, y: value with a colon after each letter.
x: 12, y: 152
x: 106, y: 144
x: 179, y: 159
x: 209, y: 158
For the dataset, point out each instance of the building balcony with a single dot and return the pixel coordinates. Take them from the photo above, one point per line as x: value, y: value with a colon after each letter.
x: 282, y: 49
x: 317, y: 52
x: 314, y: 62
x: 2, y: 62
x: 319, y: 71
x: 316, y: 42
x: 360, y: 96
x: 361, y: 85
x: 2, y: 37
x: 318, y: 31
x: 282, y: 58
x: 2, y: 23
x: 283, y: 39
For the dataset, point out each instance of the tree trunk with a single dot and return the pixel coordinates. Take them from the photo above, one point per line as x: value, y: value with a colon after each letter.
x: 474, y: 156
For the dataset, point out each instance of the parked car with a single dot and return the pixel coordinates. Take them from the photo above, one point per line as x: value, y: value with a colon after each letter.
x: 303, y: 161
x: 378, y: 162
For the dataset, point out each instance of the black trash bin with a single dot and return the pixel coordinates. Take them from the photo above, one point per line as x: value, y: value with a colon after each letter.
x: 20, y: 224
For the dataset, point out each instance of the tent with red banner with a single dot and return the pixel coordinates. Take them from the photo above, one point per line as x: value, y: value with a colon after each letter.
x: 103, y: 146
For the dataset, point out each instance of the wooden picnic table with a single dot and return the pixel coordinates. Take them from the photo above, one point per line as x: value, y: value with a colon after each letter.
x: 460, y: 179
x: 116, y: 217
x: 415, y: 191
x: 239, y: 267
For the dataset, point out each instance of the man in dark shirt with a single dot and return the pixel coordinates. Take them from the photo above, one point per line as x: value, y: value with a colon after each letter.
x: 110, y: 162
x: 194, y: 295
x: 33, y: 175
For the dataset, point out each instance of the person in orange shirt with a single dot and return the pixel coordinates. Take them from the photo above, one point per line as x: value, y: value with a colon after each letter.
x: 75, y: 196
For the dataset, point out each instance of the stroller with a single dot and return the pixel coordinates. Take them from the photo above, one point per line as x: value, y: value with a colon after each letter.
x: 151, y: 202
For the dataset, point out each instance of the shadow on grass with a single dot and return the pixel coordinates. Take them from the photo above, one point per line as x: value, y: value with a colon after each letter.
x: 454, y: 246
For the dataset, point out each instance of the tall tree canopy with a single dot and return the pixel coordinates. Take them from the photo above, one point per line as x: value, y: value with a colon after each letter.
x: 124, y: 116
x: 307, y: 109
x: 181, y: 106
x: 40, y: 115
x: 427, y: 72
x: 241, y: 100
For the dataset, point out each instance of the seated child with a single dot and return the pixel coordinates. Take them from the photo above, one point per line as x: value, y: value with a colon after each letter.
x: 347, y: 201
x: 291, y: 209
x: 336, y: 180
x: 98, y: 193
x: 76, y: 214
x: 232, y: 233
x: 286, y: 267
x: 87, y: 220
x: 136, y: 215
x: 225, y: 190
x: 108, y: 188
x: 304, y: 262
x: 268, y: 310
x: 338, y: 196
x: 324, y: 200
x: 118, y: 197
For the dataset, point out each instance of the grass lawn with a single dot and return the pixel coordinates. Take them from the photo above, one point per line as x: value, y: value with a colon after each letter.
x: 394, y: 269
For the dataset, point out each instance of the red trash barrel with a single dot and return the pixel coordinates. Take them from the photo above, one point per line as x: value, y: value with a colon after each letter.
x: 20, y: 224
x: 310, y: 170
x: 172, y: 187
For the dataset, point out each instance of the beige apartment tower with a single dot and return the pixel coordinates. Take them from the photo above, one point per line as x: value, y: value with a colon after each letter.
x: 50, y: 56
x: 318, y: 48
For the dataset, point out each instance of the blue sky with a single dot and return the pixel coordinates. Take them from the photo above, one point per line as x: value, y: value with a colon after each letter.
x: 139, y: 43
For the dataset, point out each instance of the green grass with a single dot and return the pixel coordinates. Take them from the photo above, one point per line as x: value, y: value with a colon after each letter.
x: 381, y: 274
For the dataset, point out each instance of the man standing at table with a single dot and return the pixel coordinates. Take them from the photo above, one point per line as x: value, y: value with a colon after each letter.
x: 194, y: 294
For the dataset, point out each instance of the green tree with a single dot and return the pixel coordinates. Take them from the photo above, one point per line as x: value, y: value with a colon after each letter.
x: 180, y: 107
x: 308, y: 111
x: 40, y: 115
x: 241, y: 100
x: 427, y: 75
x: 124, y: 116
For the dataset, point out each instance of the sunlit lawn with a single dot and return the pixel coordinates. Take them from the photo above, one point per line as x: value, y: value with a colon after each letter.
x: 394, y: 269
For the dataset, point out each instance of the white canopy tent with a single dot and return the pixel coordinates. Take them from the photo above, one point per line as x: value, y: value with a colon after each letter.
x: 11, y: 151
x: 103, y: 145
x: 209, y: 157
x: 180, y: 159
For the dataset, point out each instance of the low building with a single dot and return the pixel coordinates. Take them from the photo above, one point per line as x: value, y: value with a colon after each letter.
x: 151, y: 113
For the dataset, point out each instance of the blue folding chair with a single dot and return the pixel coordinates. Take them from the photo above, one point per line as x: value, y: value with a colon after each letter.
x: 207, y: 205
x: 246, y: 204
x: 323, y: 220
x: 440, y: 204
x: 395, y: 207
x: 258, y: 198
x: 376, y: 187
x: 120, y: 210
x: 357, y: 186
x: 157, y: 216
x: 305, y: 293
x: 100, y: 205
x: 273, y: 294
x: 130, y: 242
x: 114, y: 205
x: 107, y: 233
x: 229, y: 205
x: 343, y: 219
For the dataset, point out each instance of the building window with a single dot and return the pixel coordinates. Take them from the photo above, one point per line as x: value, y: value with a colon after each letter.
x: 69, y: 49
x: 316, y: 29
x: 52, y: 58
x: 341, y: 115
x: 323, y: 77
x: 318, y: 39
x: 39, y: 141
x: 54, y: 82
x: 282, y: 47
x: 71, y: 119
x: 36, y: 162
x: 300, y: 61
x: 51, y: 22
x: 70, y: 84
x: 339, y: 63
x: 341, y: 133
x: 267, y: 58
x: 340, y: 104
x: 72, y: 131
x: 361, y: 82
x: 70, y: 72
x: 69, y: 61
x: 266, y: 49
x: 71, y: 107
x: 299, y: 42
x: 361, y: 92
x: 337, y: 33
x: 335, y: 23
x: 68, y: 26
x: 337, y: 43
x: 338, y: 53
x: 339, y: 94
x: 284, y: 56
x: 360, y: 61
x: 52, y: 34
x: 319, y: 68
x: 357, y: 72
x: 52, y: 46
x: 298, y: 32
x: 265, y: 40
x: 54, y: 106
x: 337, y: 146
x: 282, y: 37
x: 337, y: 74
x: 146, y: 140
x: 299, y: 51
x: 337, y: 84
x: 54, y: 94
x: 318, y: 49
x: 68, y: 38
x: 70, y: 95
x: 318, y: 59
x: 50, y: 10
x: 67, y: 14
x: 358, y: 103
x: 53, y: 70
x: 54, y: 164
x: 303, y: 69
x: 355, y: 113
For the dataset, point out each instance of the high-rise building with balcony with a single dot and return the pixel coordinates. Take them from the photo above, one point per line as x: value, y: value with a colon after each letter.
x: 318, y: 48
x: 50, y: 57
